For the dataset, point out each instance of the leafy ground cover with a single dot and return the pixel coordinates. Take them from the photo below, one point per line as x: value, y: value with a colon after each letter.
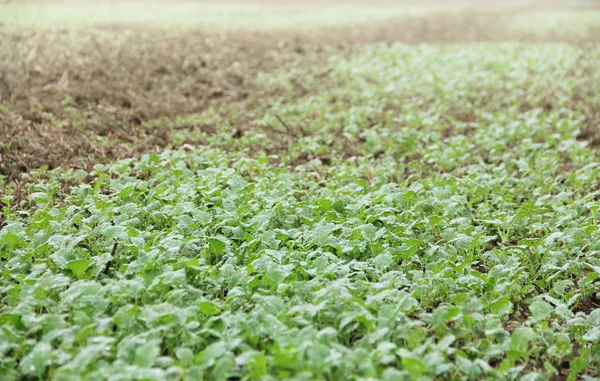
x: 387, y: 211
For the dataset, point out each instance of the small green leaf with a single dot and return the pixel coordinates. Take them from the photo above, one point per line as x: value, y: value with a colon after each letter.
x: 193, y: 263
x: 78, y: 266
x: 114, y: 232
x: 37, y: 360
x: 146, y: 354
x: 414, y: 367
x: 541, y: 310
x: 207, y: 357
x: 592, y: 335
x: 209, y: 308
x: 39, y: 198
x: 185, y: 355
x: 216, y: 246
x: 501, y: 306
x: 594, y: 317
x: 325, y: 204
x: 10, y: 239
x: 338, y: 206
x: 577, y: 365
x: 125, y: 192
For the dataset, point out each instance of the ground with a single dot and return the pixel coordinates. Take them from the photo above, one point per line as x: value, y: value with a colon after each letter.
x: 281, y: 191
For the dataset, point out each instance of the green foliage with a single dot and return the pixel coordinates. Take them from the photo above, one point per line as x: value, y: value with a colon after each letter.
x: 457, y: 242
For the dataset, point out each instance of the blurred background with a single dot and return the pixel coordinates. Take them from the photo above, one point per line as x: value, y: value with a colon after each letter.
x: 85, y: 82
x: 569, y: 16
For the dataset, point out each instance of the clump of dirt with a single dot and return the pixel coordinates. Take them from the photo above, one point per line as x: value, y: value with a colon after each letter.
x: 588, y: 304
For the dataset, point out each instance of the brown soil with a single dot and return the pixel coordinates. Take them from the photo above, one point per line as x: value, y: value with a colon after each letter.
x: 591, y: 132
x: 588, y: 305
x: 72, y: 105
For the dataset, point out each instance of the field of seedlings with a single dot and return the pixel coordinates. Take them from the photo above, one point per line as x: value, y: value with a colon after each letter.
x: 198, y: 190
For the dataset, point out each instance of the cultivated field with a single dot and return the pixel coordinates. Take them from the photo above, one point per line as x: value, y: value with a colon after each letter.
x: 310, y: 191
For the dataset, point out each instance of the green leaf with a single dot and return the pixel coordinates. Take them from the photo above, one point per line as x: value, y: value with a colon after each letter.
x: 114, y: 232
x: 258, y: 364
x: 577, y: 365
x: 520, y: 339
x: 125, y: 192
x: 216, y: 246
x: 540, y: 310
x: 446, y: 342
x: 39, y: 198
x: 594, y: 317
x: 78, y: 266
x: 146, y: 354
x: 209, y: 308
x: 501, y: 306
x: 185, y: 355
x: 37, y: 360
x: 592, y: 335
x: 325, y: 204
x: 11, y: 239
x: 207, y: 357
x: 338, y: 206
x: 413, y: 366
x: 192, y: 263
x: 439, y: 316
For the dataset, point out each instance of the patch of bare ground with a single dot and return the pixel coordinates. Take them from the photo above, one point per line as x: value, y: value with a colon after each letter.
x: 588, y: 305
x: 73, y: 99
x: 591, y: 130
